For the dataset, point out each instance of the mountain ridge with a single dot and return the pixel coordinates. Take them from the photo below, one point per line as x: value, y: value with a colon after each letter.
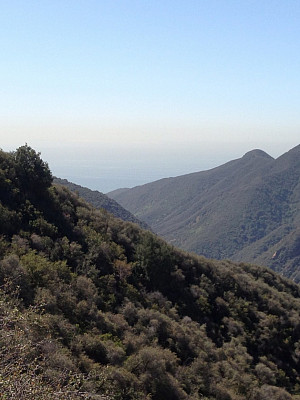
x: 221, y: 211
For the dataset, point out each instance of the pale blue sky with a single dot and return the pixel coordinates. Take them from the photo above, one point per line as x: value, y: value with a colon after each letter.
x: 187, y: 77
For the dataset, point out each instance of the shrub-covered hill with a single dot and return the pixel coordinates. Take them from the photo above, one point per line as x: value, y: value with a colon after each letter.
x: 100, y: 200
x: 92, y: 307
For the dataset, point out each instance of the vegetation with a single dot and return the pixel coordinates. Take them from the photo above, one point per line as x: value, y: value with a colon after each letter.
x: 100, y: 200
x: 92, y: 307
x: 245, y: 210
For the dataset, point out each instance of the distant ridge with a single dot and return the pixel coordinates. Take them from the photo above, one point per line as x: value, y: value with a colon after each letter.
x: 246, y: 210
x: 119, y: 191
x: 100, y: 200
x: 257, y: 153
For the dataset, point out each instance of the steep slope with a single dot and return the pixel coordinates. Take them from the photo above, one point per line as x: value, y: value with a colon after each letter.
x: 280, y: 248
x: 240, y: 210
x: 100, y: 200
x: 93, y: 307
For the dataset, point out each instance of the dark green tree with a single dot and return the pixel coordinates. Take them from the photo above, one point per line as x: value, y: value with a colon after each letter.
x: 33, y: 173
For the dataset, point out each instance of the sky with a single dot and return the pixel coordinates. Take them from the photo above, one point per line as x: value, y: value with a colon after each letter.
x: 118, y: 93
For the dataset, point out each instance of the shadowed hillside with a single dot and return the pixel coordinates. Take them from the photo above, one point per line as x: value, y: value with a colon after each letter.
x: 246, y: 210
x: 100, y: 200
x: 92, y: 307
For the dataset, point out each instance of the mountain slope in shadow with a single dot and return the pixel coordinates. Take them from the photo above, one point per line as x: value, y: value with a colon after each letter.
x: 100, y: 200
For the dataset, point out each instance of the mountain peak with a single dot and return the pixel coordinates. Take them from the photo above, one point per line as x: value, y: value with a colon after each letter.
x: 257, y: 153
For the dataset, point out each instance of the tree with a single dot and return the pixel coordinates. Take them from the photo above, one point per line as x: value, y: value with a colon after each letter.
x: 32, y: 172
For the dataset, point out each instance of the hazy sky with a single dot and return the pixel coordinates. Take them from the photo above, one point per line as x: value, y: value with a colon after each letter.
x: 143, y: 81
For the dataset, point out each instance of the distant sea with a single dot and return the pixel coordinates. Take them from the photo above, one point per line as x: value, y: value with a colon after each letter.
x: 109, y: 170
x: 106, y: 168
x: 104, y: 176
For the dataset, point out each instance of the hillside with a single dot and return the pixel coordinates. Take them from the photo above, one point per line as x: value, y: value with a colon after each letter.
x: 100, y: 200
x: 92, y: 307
x: 245, y: 210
